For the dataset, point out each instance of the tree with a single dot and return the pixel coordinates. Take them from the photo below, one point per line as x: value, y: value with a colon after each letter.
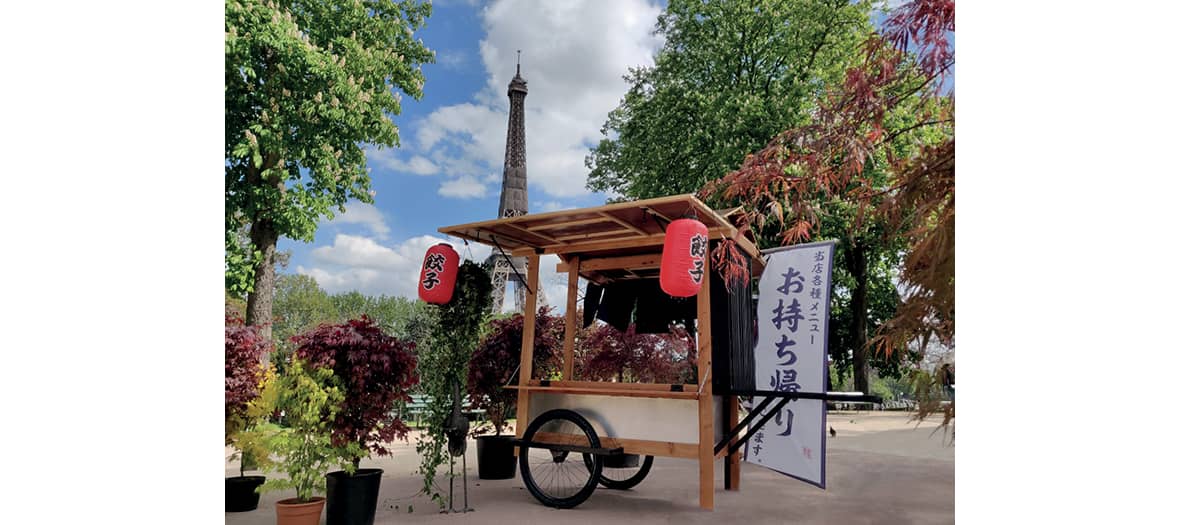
x: 890, y: 114
x: 307, y: 84
x: 374, y: 371
x: 730, y: 76
x: 300, y: 305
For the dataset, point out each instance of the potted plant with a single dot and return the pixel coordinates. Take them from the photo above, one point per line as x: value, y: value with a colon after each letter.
x: 308, y: 399
x: 373, y: 371
x: 493, y: 365
x: 606, y: 354
x: 244, y: 348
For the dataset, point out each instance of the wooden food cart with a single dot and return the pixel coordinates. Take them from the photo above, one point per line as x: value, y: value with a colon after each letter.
x: 559, y: 419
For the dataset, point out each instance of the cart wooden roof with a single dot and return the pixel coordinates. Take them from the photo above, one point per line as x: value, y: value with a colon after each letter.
x: 629, y: 233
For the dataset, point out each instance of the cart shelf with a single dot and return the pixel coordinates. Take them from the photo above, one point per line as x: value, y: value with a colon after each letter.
x: 620, y: 391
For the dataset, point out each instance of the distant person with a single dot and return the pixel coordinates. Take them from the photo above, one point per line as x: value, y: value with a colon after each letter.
x: 948, y: 381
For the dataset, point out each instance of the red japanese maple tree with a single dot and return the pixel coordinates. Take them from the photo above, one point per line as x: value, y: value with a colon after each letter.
x: 606, y: 354
x: 375, y: 370
x: 244, y: 348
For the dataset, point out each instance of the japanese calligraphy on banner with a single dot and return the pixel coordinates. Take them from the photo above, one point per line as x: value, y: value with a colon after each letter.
x: 791, y: 355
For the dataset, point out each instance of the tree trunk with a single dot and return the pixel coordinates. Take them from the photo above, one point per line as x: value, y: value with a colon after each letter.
x: 259, y: 303
x: 858, y: 267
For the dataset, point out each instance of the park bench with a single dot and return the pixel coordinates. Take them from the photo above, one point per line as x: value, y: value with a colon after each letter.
x: 838, y: 404
x: 418, y: 404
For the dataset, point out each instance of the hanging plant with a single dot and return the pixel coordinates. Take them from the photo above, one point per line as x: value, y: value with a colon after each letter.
x: 443, y: 363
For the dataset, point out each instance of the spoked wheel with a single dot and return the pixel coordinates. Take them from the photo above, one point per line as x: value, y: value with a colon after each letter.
x: 558, y: 478
x: 624, y: 471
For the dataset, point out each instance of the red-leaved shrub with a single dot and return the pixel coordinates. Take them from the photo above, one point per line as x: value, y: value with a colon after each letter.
x: 244, y: 347
x: 374, y: 370
x: 497, y: 357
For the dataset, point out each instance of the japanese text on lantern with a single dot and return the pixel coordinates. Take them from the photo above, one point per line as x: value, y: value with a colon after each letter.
x: 696, y: 249
x: 434, y: 266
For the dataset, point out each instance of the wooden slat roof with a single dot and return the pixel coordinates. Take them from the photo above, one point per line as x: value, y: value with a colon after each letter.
x: 625, y: 228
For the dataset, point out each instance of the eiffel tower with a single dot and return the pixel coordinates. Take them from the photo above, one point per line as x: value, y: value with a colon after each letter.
x: 514, y: 199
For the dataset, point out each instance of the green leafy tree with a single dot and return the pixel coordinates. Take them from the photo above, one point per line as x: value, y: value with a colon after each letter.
x: 307, y: 84
x: 730, y: 76
x: 300, y: 305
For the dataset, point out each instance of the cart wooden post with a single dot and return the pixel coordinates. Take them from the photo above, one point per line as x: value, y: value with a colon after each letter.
x: 705, y: 390
x: 527, y: 339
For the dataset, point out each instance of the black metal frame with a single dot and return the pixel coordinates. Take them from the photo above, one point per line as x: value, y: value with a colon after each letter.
x: 568, y: 448
x: 783, y: 398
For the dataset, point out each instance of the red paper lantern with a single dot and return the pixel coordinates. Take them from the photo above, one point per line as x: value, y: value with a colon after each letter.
x: 436, y: 284
x: 682, y: 265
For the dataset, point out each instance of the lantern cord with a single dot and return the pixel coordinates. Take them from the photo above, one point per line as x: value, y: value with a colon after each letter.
x: 510, y: 265
x: 509, y: 382
x: 467, y: 249
x: 659, y: 220
x: 702, y: 387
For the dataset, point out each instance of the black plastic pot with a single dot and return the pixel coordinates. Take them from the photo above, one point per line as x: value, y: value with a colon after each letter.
x: 352, y: 500
x: 240, y: 495
x: 496, y: 459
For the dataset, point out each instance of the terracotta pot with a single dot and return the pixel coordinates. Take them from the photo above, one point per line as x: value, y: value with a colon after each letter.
x: 292, y: 512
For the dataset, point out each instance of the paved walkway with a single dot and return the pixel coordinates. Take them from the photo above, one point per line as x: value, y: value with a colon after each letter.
x: 881, y: 470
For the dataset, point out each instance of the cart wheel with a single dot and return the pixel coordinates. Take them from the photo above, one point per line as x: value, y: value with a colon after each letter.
x: 549, y: 476
x: 623, y: 475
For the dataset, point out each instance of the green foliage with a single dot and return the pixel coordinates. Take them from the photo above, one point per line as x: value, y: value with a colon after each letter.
x: 443, y: 362
x: 301, y: 305
x: 730, y: 76
x: 308, y: 399
x: 308, y: 83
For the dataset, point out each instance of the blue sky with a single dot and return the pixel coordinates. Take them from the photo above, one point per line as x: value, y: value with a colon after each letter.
x: 448, y: 168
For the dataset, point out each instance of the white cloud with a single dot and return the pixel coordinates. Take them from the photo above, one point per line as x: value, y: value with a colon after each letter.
x: 553, y: 286
x: 361, y: 263
x: 573, y: 56
x: 465, y: 187
x: 356, y: 212
x: 386, y: 158
x: 550, y: 206
x: 451, y: 59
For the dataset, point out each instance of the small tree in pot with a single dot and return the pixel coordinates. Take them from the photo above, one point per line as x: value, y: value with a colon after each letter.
x: 308, y: 398
x: 493, y: 364
x: 374, y: 371
x: 244, y: 373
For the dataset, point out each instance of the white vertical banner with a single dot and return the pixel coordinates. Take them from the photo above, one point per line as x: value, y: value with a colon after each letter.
x: 791, y: 355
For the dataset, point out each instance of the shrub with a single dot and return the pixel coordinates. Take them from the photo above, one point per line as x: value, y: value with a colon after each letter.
x: 309, y: 399
x: 374, y: 371
x: 494, y: 362
x: 244, y: 374
x: 606, y: 354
